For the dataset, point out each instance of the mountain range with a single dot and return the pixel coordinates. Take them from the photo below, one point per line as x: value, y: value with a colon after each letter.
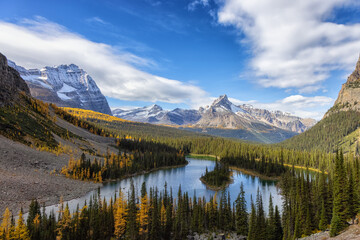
x: 221, y: 114
x: 71, y: 86
x: 64, y: 85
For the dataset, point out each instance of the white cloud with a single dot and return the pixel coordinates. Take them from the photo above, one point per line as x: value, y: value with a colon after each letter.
x: 38, y: 43
x: 193, y: 5
x: 298, y: 105
x: 97, y: 20
x: 292, y: 43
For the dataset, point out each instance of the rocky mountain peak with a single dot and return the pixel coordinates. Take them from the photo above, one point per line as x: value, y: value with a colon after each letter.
x: 349, y: 95
x: 65, y: 85
x: 222, y: 103
x: 11, y: 84
x: 222, y: 100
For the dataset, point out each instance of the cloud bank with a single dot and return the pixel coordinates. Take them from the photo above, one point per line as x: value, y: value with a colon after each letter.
x: 293, y: 43
x: 37, y: 43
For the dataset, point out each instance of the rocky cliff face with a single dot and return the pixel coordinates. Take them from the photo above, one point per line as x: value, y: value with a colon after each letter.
x: 64, y: 85
x: 349, y: 95
x: 11, y: 84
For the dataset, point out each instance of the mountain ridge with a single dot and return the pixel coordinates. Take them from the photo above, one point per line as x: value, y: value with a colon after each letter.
x: 222, y: 113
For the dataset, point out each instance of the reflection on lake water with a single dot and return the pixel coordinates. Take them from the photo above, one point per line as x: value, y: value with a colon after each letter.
x: 188, y: 177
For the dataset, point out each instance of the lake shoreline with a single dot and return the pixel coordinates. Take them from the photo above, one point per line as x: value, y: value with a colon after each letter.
x: 145, y: 172
x: 255, y: 174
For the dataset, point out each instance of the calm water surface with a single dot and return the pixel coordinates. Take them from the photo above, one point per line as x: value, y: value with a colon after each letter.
x: 188, y: 177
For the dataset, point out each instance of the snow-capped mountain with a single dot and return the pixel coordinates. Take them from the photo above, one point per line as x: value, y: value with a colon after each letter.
x: 280, y: 119
x: 155, y: 114
x: 64, y: 85
x: 150, y: 114
x: 221, y: 114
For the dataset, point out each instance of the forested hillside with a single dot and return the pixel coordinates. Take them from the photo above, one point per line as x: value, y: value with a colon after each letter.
x: 335, y: 131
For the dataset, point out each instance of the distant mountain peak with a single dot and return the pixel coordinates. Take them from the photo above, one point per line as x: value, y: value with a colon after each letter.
x: 223, y: 99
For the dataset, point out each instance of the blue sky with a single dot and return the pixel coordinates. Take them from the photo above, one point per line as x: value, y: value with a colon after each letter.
x: 286, y: 55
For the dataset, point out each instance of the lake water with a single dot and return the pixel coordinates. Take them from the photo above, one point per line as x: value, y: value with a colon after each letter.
x: 188, y: 177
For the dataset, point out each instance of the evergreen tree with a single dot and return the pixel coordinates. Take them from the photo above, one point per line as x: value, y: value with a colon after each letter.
x: 271, y: 227
x: 338, y: 221
x: 260, y: 218
x: 241, y: 216
x: 252, y: 235
x: 33, y: 219
x: 323, y: 221
x: 278, y: 227
x: 132, y: 228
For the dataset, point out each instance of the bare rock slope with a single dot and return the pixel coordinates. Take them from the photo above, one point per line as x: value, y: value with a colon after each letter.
x: 10, y: 83
x: 349, y: 95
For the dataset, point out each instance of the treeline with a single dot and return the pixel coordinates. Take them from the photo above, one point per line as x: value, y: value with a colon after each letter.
x: 321, y: 201
x: 134, y: 156
x: 189, y: 142
x: 218, y: 177
x: 152, y: 215
x: 264, y: 166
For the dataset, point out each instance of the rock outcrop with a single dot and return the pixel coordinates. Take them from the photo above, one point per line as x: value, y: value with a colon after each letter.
x: 11, y: 84
x: 349, y: 95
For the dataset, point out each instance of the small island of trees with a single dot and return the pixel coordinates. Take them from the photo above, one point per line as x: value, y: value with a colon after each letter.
x: 217, y: 179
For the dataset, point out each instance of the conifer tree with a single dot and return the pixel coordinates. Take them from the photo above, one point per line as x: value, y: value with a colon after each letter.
x: 143, y: 216
x: 338, y: 221
x: 260, y: 218
x: 132, y: 228
x: 352, y: 204
x: 252, y: 234
x: 323, y: 220
x: 64, y: 226
x: 21, y: 231
x: 271, y: 227
x: 6, y: 224
x: 34, y: 213
x: 242, y: 225
x: 120, y: 217
x: 278, y: 227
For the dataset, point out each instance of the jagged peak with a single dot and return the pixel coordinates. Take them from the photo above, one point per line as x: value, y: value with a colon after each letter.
x: 222, y: 100
x: 357, y: 69
x: 154, y: 107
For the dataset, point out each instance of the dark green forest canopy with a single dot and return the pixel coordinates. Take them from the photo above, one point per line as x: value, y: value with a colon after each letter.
x: 328, y: 134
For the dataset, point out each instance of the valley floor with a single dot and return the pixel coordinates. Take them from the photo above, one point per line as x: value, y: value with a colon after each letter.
x: 25, y: 175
